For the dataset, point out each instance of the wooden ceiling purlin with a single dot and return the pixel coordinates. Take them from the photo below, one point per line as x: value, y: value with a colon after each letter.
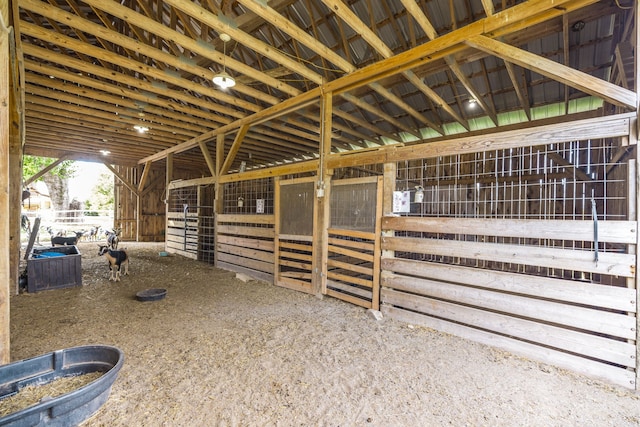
x: 296, y: 33
x: 574, y: 78
x: 195, y: 46
x: 99, y: 106
x: 158, y: 90
x: 175, y: 114
x: 499, y: 24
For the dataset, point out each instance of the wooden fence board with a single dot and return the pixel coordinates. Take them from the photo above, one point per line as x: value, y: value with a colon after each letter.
x: 610, y: 297
x: 593, y: 320
x: 608, y: 262
x: 608, y: 231
x: 246, y: 231
x: 610, y: 373
x: 260, y: 244
x: 351, y: 253
x: 350, y: 279
x: 245, y: 262
x: 619, y: 352
x: 245, y: 252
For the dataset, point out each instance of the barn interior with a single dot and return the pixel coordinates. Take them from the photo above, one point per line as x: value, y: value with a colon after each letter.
x: 466, y: 165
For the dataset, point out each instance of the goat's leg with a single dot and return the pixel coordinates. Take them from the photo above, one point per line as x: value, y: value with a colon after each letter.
x: 126, y: 267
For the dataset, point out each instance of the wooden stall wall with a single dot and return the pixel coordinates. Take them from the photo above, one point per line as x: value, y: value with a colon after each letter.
x: 147, y: 225
x: 529, y: 247
x: 245, y: 228
x: 126, y: 202
x: 151, y: 221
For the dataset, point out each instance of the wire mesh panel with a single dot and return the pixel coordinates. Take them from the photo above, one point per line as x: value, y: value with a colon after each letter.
x: 248, y: 197
x: 555, y: 181
x: 296, y: 208
x: 353, y: 206
x: 190, y: 222
x: 528, y: 248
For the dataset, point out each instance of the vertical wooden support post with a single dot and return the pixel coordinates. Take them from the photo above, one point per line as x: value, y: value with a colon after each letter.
x: 388, y: 187
x: 321, y: 212
x: 375, y: 294
x: 218, y: 203
x: 16, y: 138
x: 276, y: 230
x: 168, y: 174
x: 633, y: 139
x: 5, y: 106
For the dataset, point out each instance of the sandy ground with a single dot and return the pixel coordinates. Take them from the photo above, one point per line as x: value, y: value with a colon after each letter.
x: 221, y: 352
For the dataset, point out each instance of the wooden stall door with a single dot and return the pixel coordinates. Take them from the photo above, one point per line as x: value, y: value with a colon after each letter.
x: 352, y: 269
x: 294, y: 210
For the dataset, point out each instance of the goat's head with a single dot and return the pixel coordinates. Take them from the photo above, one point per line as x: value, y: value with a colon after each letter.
x: 103, y: 249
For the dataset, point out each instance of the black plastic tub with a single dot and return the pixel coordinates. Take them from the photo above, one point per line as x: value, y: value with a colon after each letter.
x: 70, y: 408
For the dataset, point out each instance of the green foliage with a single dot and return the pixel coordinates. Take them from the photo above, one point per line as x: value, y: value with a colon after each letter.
x: 32, y: 165
x: 102, y: 194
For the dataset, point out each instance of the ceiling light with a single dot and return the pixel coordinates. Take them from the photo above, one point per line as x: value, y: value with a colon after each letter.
x: 223, y: 79
x: 141, y: 129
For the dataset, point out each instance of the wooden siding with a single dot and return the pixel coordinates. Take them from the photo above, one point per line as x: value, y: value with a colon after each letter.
x: 245, y: 244
x: 588, y: 327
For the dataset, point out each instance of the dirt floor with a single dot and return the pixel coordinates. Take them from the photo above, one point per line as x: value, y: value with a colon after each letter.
x: 218, y: 351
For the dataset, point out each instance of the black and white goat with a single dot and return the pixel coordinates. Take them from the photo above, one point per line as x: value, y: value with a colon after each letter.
x: 61, y: 240
x: 116, y: 260
x: 113, y: 238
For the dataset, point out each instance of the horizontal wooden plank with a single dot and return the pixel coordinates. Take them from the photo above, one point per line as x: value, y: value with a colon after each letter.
x: 573, y: 291
x: 613, y: 374
x: 349, y: 280
x: 350, y: 267
x: 238, y: 230
x: 366, y: 235
x: 245, y: 262
x: 355, y: 181
x: 608, y: 262
x: 246, y: 219
x: 295, y: 237
x: 364, y: 246
x: 260, y: 244
x: 619, y: 352
x: 348, y: 298
x: 608, y: 231
x: 350, y: 253
x: 254, y: 274
x: 296, y: 255
x: 295, y: 246
x: 296, y: 285
x: 246, y: 252
x: 294, y: 264
x: 593, y: 320
x: 591, y: 128
x: 301, y: 275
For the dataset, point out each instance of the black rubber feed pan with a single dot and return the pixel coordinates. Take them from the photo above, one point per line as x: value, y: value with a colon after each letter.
x: 68, y: 409
x: 153, y: 294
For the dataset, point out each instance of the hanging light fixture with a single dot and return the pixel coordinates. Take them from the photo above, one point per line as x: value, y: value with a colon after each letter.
x: 223, y: 79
